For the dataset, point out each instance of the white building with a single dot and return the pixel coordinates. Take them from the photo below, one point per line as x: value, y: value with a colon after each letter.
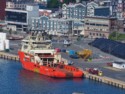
x: 74, y: 11
x: 90, y: 8
x: 119, y: 65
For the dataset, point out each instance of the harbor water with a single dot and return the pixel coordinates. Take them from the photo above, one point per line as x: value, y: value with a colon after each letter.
x: 15, y: 80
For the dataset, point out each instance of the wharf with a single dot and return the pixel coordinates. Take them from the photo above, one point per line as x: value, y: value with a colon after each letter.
x: 106, y: 80
x: 9, y: 56
x: 101, y: 79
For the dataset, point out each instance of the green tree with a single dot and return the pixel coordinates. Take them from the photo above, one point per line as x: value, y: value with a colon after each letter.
x: 53, y: 4
x: 57, y: 3
x: 68, y: 1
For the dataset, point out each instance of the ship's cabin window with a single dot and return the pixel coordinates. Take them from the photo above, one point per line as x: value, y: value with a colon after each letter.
x: 47, y: 60
x: 44, y: 55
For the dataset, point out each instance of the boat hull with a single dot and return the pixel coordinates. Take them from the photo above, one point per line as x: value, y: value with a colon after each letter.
x: 57, y: 72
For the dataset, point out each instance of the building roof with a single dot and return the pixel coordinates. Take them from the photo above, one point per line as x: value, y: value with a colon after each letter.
x: 92, y: 4
x: 74, y: 5
x: 119, y: 62
x: 100, y: 17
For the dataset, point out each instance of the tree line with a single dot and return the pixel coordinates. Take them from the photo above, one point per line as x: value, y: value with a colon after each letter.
x: 58, y: 3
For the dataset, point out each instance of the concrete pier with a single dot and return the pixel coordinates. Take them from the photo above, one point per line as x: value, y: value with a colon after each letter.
x: 106, y: 80
x: 9, y: 56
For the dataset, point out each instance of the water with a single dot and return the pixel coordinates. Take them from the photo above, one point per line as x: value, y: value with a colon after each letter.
x: 15, y: 80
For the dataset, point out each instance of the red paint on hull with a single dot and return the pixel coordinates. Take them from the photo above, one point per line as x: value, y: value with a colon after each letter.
x: 65, y: 72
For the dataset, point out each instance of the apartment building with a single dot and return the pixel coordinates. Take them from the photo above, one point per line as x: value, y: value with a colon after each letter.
x: 74, y: 11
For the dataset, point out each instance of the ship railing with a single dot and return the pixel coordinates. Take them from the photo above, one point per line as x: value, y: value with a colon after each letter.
x: 39, y: 48
x: 46, y: 56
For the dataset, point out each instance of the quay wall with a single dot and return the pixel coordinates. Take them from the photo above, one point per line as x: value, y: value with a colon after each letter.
x: 9, y: 56
x: 106, y: 80
x: 102, y: 79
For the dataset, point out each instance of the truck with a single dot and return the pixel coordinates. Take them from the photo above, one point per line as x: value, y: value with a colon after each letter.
x: 94, y: 71
x: 72, y: 54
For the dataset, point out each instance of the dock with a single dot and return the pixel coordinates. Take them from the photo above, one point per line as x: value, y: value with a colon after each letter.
x: 106, y: 80
x: 101, y: 79
x: 9, y: 56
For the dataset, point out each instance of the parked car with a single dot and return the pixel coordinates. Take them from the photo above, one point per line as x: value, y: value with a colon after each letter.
x: 94, y: 71
x: 109, y: 64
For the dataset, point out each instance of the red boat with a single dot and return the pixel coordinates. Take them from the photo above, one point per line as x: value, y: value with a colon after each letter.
x: 37, y: 55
